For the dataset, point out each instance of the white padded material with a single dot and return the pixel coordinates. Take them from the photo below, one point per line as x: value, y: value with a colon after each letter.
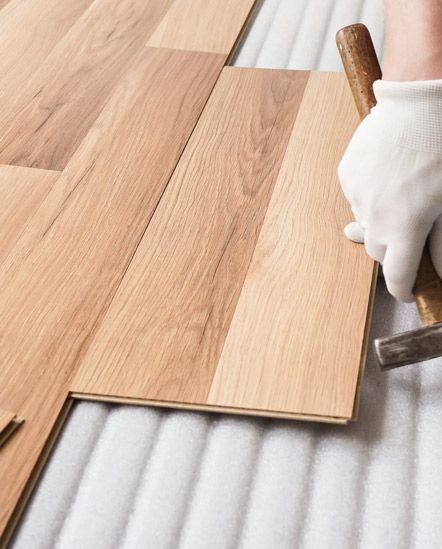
x: 134, y: 477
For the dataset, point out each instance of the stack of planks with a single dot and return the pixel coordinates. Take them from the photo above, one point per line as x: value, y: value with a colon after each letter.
x: 172, y: 227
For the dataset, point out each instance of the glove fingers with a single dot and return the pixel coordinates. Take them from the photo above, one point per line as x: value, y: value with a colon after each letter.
x: 401, y: 263
x: 374, y: 248
x: 353, y: 231
x: 436, y: 245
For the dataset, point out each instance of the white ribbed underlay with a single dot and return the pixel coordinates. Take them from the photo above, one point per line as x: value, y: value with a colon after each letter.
x: 134, y: 477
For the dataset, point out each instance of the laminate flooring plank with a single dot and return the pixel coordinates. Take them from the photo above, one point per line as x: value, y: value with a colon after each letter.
x: 56, y: 108
x: 297, y: 338
x: 202, y: 25
x: 22, y: 191
x: 243, y: 295
x: 164, y: 331
x: 52, y: 300
x: 29, y: 30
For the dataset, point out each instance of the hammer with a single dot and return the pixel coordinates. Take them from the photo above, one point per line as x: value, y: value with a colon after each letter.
x: 362, y: 69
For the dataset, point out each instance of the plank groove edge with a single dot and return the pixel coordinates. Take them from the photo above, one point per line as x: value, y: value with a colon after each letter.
x: 206, y: 408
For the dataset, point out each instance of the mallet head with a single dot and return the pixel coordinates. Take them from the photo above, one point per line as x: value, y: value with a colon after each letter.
x: 409, y: 347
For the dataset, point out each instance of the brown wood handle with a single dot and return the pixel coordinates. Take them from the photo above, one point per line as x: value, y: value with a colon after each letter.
x: 361, y: 65
x: 362, y: 68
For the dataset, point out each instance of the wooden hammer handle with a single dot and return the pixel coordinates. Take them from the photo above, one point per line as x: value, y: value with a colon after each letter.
x: 362, y: 69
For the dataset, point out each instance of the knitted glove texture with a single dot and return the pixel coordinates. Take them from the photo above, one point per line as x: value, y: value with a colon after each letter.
x: 391, y: 173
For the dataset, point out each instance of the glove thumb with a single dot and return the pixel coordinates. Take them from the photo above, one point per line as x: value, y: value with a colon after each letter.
x: 353, y: 231
x: 436, y: 245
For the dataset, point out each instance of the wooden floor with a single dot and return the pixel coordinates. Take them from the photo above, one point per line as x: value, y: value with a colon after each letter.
x: 242, y: 288
x: 171, y: 229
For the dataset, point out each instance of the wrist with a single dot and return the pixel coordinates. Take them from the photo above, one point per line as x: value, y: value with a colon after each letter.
x: 409, y: 67
x: 410, y: 113
x: 413, y: 40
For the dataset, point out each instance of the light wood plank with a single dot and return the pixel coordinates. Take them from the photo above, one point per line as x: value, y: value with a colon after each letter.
x: 202, y: 25
x: 164, y: 331
x: 53, y: 298
x: 22, y: 191
x: 29, y: 30
x: 56, y: 108
x: 296, y: 340
x: 293, y: 346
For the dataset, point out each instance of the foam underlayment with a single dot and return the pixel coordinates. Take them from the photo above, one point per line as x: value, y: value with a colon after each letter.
x: 131, y: 477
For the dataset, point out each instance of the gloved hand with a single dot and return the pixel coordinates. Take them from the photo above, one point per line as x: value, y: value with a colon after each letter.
x: 391, y: 173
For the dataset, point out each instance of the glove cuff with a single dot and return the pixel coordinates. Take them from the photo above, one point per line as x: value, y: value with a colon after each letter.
x: 411, y: 113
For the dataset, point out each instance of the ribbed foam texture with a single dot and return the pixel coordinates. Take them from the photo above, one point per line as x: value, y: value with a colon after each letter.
x: 134, y: 477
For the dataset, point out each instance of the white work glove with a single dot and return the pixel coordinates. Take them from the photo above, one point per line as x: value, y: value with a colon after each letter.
x: 391, y: 173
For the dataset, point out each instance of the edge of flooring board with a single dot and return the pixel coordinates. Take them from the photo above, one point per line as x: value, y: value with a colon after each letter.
x: 8, y: 532
x: 364, y: 353
x: 248, y: 22
x: 208, y: 408
x: 10, y: 429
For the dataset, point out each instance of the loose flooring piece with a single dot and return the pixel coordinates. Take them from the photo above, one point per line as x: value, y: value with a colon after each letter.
x: 201, y: 25
x: 243, y: 296
x: 52, y: 113
x: 9, y: 422
x: 63, y: 278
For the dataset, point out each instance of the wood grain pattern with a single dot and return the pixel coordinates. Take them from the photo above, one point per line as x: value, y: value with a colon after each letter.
x: 361, y: 65
x: 56, y: 108
x: 22, y: 191
x: 202, y: 25
x: 167, y: 324
x: 176, y: 331
x: 29, y: 30
x: 308, y: 288
x: 53, y: 296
